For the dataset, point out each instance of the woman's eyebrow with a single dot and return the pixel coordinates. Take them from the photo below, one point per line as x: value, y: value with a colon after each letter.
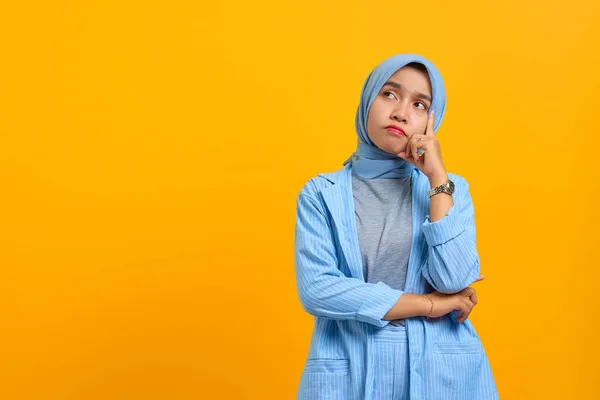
x: 399, y: 86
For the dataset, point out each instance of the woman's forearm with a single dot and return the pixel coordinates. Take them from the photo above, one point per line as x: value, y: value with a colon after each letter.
x: 409, y: 305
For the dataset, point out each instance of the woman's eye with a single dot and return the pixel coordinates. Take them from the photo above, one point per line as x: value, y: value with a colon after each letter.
x: 423, y: 107
x: 388, y: 94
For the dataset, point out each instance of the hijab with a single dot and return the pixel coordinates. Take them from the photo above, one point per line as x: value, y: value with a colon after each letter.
x: 369, y: 161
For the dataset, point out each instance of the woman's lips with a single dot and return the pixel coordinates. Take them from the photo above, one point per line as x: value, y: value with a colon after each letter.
x: 395, y: 130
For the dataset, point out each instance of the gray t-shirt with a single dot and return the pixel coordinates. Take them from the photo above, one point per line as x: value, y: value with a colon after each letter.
x: 384, y: 226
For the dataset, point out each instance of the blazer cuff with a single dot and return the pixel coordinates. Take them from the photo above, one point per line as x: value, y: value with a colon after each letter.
x: 379, y: 301
x: 445, y: 229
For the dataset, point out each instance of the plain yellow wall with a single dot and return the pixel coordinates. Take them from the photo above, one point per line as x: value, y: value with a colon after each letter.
x: 151, y: 154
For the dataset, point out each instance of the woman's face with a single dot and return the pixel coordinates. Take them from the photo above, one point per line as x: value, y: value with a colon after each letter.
x: 403, y: 102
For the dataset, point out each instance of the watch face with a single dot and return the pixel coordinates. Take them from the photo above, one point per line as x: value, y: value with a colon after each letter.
x: 451, y: 186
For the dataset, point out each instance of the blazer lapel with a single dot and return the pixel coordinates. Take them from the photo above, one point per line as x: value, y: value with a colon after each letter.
x: 340, y: 203
x: 418, y: 248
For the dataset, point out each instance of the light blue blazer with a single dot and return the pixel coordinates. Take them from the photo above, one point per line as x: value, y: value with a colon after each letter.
x: 447, y: 359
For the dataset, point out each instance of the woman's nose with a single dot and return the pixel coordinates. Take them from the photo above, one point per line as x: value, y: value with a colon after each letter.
x: 399, y: 113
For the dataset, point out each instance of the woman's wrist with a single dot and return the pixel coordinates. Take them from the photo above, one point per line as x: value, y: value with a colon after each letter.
x: 438, y: 178
x: 428, y: 295
x: 424, y: 305
x: 409, y: 305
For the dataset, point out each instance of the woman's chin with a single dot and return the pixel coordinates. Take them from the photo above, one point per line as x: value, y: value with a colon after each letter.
x: 395, y: 146
x: 391, y: 145
x: 391, y: 149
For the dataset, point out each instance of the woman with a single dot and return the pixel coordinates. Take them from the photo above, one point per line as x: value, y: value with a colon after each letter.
x: 385, y: 253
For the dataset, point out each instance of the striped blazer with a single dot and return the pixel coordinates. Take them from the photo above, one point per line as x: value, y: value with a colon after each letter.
x: 447, y: 359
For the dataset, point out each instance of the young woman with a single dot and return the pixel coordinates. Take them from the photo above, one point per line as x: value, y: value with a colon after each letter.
x: 385, y: 252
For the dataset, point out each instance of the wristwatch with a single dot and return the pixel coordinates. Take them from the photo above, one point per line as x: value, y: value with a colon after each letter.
x: 446, y: 187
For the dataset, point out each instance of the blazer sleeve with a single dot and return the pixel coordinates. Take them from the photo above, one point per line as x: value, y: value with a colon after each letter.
x: 453, y: 261
x: 323, y: 289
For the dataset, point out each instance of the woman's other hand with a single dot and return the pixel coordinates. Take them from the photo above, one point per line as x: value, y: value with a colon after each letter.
x: 463, y: 301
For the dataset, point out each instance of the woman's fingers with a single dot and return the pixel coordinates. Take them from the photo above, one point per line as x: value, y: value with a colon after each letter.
x: 415, y: 144
x: 473, y: 298
x: 468, y: 299
x: 403, y: 156
x: 464, y: 309
x: 463, y: 301
x: 414, y: 150
x: 470, y: 294
x: 430, y: 123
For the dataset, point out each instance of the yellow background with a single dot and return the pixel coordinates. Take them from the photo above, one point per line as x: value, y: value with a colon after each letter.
x: 151, y: 154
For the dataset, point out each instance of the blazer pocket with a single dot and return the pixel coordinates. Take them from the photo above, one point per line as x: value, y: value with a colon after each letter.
x: 456, y: 367
x: 325, y: 379
x: 473, y: 346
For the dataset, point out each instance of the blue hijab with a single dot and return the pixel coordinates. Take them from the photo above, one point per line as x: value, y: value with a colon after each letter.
x: 368, y: 161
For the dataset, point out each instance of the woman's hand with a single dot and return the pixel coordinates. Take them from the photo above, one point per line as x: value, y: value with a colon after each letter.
x: 463, y: 301
x: 430, y: 161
